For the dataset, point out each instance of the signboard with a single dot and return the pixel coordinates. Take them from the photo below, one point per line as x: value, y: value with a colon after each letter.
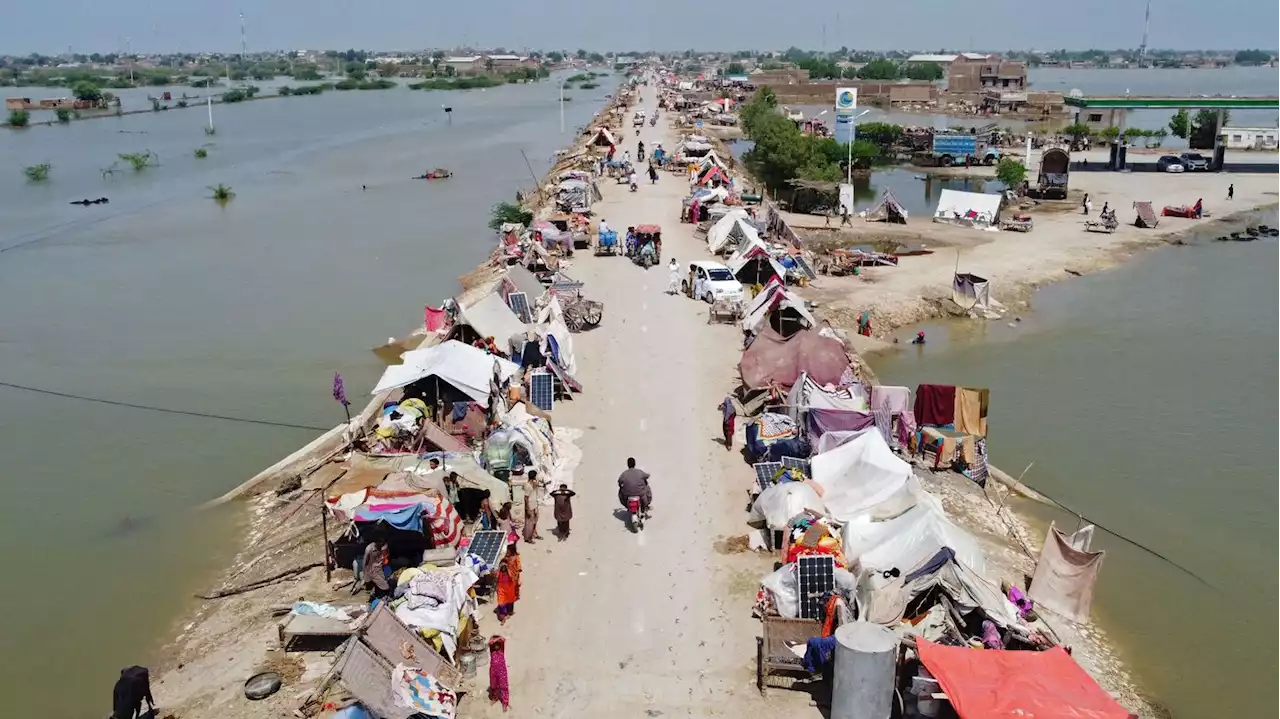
x: 846, y: 100
x: 846, y: 198
x: 844, y: 129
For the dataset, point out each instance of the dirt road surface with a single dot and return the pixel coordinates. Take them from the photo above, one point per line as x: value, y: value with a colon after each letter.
x: 656, y: 623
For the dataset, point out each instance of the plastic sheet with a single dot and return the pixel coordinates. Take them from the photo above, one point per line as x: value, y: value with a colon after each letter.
x: 778, y: 504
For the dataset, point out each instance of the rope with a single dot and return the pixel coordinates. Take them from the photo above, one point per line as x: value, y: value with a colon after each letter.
x: 165, y: 410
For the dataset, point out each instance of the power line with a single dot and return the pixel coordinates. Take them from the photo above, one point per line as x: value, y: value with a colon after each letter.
x: 165, y: 410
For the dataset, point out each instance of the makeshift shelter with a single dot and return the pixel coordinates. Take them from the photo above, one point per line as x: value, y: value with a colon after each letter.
x: 490, y: 316
x: 1146, y: 215
x: 861, y: 474
x: 968, y: 208
x: 752, y: 264
x: 969, y: 291
x: 809, y: 396
x: 887, y: 210
x: 777, y: 505
x: 522, y: 280
x: 556, y: 337
x: 711, y: 173
x: 776, y: 360
x: 964, y: 409
x: 711, y: 158
x: 1003, y: 684
x: 909, y: 539
x: 576, y: 195
x: 779, y: 309
x: 733, y: 227
x: 603, y: 138
x: 468, y: 369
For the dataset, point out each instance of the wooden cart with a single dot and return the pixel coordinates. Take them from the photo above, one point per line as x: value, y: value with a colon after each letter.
x: 580, y: 313
x: 1104, y: 226
x: 725, y: 311
x: 776, y: 664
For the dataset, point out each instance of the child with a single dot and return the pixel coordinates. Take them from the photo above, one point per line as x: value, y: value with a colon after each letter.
x: 499, y: 687
x: 563, y: 510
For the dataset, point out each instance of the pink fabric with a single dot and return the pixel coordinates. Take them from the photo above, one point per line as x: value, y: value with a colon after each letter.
x: 499, y: 686
x: 435, y: 319
x: 899, y: 398
x: 906, y: 427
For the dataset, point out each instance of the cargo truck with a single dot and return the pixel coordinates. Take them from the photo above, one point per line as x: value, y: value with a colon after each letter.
x: 953, y: 149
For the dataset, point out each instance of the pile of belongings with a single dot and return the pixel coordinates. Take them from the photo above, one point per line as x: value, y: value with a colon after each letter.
x: 774, y: 436
x: 437, y: 603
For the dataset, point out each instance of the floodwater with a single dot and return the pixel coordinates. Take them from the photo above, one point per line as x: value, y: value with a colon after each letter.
x: 1145, y: 396
x: 165, y: 298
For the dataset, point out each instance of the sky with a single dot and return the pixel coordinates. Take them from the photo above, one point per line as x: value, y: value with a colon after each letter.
x: 50, y: 26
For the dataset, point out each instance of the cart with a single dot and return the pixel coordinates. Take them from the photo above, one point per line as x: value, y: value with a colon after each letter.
x: 580, y: 313
x: 1019, y: 223
x: 607, y: 244
x: 1106, y: 226
x: 725, y: 311
x: 774, y: 655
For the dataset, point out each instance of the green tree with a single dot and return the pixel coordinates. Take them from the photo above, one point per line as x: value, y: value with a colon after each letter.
x: 355, y: 70
x: 879, y: 70
x: 1011, y: 172
x: 929, y: 71
x: 735, y: 68
x: 555, y: 56
x: 1077, y: 131
x: 1204, y: 128
x: 306, y: 73
x: 1252, y: 57
x: 581, y: 54
x: 19, y: 118
x: 1180, y: 124
x: 86, y: 91
x: 882, y: 134
x: 595, y: 57
x: 63, y: 115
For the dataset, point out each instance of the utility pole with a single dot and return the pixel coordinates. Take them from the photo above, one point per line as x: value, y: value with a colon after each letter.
x: 128, y: 51
x: 1146, y: 28
x: 244, y: 44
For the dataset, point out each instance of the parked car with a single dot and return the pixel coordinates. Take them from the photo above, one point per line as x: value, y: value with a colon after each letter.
x: 711, y: 281
x: 1170, y: 163
x: 1194, y: 161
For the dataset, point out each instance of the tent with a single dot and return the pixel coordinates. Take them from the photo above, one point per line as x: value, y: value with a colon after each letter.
x: 752, y: 264
x: 779, y: 504
x: 557, y: 340
x: 861, y: 474
x: 774, y: 359
x: 467, y: 368
x: 806, y: 394
x: 888, y: 210
x: 711, y: 158
x: 707, y: 195
x: 713, y: 172
x: 909, y: 539
x: 490, y: 316
x: 735, y: 225
x: 603, y: 138
x: 1002, y: 684
x: 779, y: 308
x: 970, y: 291
x: 969, y: 207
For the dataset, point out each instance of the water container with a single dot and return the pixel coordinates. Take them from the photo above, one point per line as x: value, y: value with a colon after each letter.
x: 866, y: 659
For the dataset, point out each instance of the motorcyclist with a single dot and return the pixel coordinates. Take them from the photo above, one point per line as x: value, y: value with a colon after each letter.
x: 640, y: 151
x: 635, y: 483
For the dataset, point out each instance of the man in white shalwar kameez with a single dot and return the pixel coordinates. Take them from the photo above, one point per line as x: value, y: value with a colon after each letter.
x: 673, y: 272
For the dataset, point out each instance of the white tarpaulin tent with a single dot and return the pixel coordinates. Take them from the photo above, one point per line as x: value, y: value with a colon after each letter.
x: 860, y: 474
x: 736, y: 224
x: 969, y: 291
x: 780, y: 503
x: 750, y: 251
x: 551, y: 322
x: 708, y: 195
x: 774, y: 296
x: 465, y: 367
x: 909, y: 539
x: 603, y: 138
x: 807, y: 394
x: 957, y: 202
x: 491, y: 317
x: 711, y: 158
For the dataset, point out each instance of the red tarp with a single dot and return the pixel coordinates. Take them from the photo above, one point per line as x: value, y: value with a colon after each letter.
x: 770, y: 358
x: 995, y: 684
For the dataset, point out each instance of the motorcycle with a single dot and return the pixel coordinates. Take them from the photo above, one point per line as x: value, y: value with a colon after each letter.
x: 633, y: 187
x: 653, y: 121
x: 634, y: 515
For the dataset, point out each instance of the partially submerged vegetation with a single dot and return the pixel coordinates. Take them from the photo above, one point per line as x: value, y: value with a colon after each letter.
x: 140, y: 160
x: 783, y: 153
x: 200, y: 153
x: 286, y: 90
x: 18, y: 118
x: 222, y: 194
x: 460, y: 83
x: 37, y: 173
x: 352, y: 83
x: 240, y: 94
x: 509, y: 212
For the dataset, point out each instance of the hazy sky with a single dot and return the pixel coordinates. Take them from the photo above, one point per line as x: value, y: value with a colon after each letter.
x: 49, y: 26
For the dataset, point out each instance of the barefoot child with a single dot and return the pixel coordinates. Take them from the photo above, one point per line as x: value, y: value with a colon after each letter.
x: 499, y: 687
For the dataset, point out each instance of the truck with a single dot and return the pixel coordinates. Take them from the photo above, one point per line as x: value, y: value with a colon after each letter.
x: 951, y: 148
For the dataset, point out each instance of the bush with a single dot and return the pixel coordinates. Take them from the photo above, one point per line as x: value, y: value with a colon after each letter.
x: 240, y: 94
x: 201, y: 153
x: 588, y: 86
x: 63, y: 114
x: 307, y: 73
x: 505, y: 212
x: 37, y: 173
x: 1011, y: 172
x: 19, y: 118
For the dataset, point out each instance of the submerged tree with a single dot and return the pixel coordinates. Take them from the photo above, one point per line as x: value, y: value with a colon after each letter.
x: 140, y: 160
x: 19, y: 118
x: 508, y: 212
x: 1011, y: 172
x: 37, y: 173
x: 201, y: 153
x: 222, y: 194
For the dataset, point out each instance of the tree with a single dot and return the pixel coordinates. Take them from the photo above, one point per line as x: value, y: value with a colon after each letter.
x: 581, y: 54
x: 735, y: 68
x: 1011, y: 172
x: 355, y: 70
x: 19, y: 118
x: 555, y: 56
x: 86, y: 91
x: 879, y: 70
x: 595, y: 57
x: 881, y: 134
x: 924, y: 71
x: 1252, y: 57
x: 1180, y: 124
x: 1204, y: 128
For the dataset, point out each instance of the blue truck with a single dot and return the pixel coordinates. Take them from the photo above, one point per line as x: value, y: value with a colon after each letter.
x: 951, y: 148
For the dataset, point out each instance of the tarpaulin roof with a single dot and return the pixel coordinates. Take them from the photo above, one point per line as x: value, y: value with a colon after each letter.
x: 773, y: 358
x: 403, y: 516
x: 773, y: 296
x: 859, y: 474
x: 735, y: 223
x: 463, y: 366
x: 952, y: 202
x: 995, y: 683
x: 491, y: 317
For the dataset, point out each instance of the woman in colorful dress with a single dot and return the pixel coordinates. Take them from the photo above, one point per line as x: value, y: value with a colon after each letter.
x: 508, y: 583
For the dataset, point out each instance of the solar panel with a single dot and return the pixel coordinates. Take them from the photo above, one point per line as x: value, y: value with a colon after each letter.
x: 797, y: 463
x: 816, y: 577
x: 542, y: 390
x: 765, y: 472
x: 519, y: 304
x: 803, y: 264
x: 488, y: 546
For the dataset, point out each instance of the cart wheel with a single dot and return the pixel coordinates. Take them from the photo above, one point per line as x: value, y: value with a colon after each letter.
x: 573, y: 318
x: 594, y: 314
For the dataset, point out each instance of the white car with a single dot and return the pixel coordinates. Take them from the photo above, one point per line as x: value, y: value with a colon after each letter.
x: 711, y: 281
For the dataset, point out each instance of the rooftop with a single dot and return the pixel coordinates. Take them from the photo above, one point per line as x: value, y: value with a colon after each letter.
x: 1135, y: 102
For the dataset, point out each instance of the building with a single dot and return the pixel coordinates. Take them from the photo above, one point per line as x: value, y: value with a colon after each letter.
x: 465, y: 64
x: 1249, y: 138
x: 505, y: 63
x: 970, y: 76
x: 1100, y: 118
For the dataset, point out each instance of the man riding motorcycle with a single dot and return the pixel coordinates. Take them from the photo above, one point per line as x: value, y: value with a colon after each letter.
x: 635, y: 483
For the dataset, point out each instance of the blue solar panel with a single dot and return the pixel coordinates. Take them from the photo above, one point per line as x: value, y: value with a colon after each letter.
x: 816, y: 578
x: 796, y: 463
x: 488, y: 545
x: 519, y: 304
x: 542, y: 390
x: 765, y: 472
x: 803, y: 264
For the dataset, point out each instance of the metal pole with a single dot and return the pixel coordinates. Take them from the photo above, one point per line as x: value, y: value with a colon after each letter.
x: 324, y: 527
x: 562, y: 105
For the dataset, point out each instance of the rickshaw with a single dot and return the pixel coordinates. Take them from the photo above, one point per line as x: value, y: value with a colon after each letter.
x: 646, y: 247
x: 607, y: 244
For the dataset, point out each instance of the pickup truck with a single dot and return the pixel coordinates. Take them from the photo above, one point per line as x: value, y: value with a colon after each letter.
x: 952, y: 149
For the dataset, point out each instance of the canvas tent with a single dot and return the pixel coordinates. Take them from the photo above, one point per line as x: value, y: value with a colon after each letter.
x: 861, y: 474
x: 987, y: 683
x: 711, y: 158
x: 1146, y: 215
x: 752, y: 264
x: 490, y: 316
x: 774, y: 359
x: 467, y: 368
x: 734, y: 226
x: 888, y: 210
x: 710, y: 173
x: 909, y: 539
x: 779, y: 308
x: 806, y: 394
x: 970, y: 291
x: 967, y: 207
x: 603, y: 138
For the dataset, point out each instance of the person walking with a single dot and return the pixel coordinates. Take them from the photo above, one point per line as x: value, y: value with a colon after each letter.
x: 729, y: 415
x: 499, y: 682
x: 1231, y: 191
x: 508, y: 584
x: 1084, y: 204
x: 531, y: 497
x: 563, y: 498
x: 673, y: 277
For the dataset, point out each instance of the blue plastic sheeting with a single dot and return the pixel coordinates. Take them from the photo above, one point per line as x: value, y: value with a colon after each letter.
x: 407, y: 517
